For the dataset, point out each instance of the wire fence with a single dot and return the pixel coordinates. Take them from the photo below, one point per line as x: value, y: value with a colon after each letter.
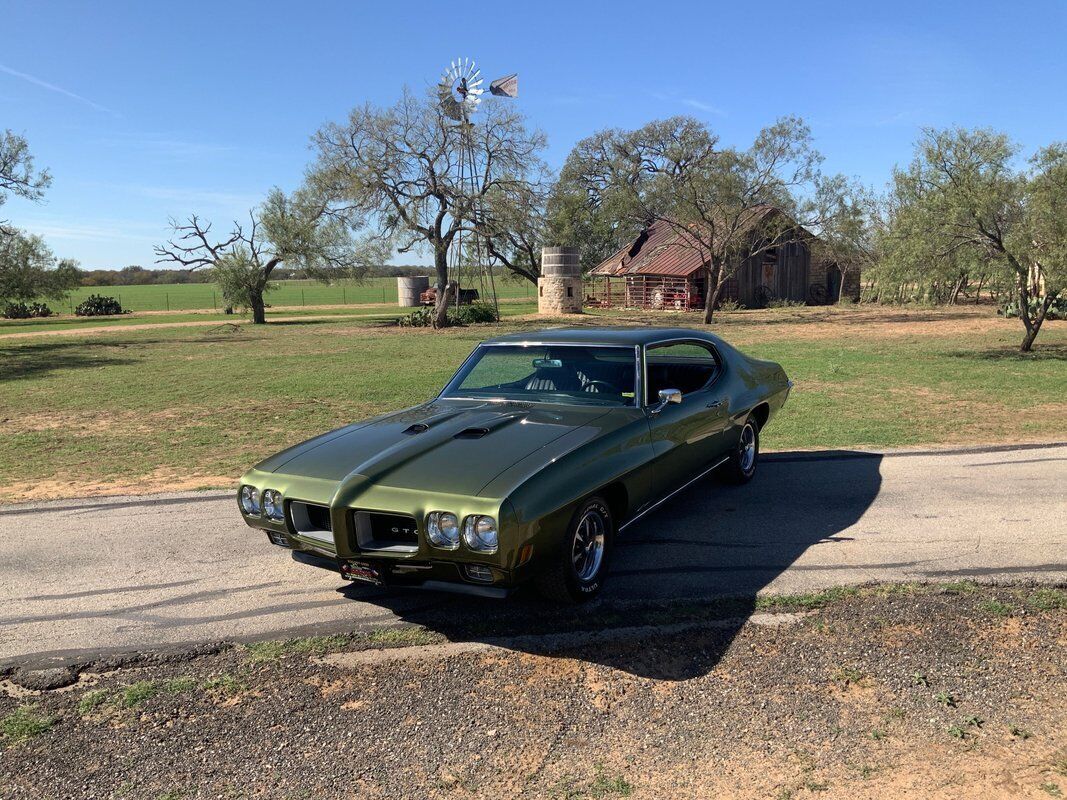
x: 206, y: 296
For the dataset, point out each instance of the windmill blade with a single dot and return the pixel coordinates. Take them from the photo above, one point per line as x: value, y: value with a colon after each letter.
x: 508, y: 86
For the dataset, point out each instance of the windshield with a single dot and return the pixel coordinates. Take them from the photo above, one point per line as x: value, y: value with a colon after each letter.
x: 567, y: 374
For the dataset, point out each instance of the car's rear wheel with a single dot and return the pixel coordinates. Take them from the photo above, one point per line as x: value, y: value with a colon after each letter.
x: 577, y: 573
x: 741, y: 466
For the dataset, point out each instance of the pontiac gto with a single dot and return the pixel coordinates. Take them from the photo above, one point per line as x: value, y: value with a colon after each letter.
x: 539, y: 451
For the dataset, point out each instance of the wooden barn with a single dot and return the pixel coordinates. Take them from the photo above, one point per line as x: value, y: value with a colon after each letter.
x: 662, y: 269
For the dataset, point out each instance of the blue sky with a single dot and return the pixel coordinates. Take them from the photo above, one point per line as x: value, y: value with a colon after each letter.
x: 146, y: 110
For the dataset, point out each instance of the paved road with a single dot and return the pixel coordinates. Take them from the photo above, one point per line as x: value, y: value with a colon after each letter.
x: 115, y: 574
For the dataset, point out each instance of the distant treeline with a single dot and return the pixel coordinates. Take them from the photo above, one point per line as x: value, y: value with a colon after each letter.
x: 139, y: 276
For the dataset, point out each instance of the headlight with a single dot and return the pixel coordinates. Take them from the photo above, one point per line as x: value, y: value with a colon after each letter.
x: 479, y: 533
x: 272, y: 505
x: 442, y: 528
x: 250, y: 500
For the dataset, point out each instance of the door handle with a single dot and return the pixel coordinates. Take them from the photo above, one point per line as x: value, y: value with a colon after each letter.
x: 716, y: 404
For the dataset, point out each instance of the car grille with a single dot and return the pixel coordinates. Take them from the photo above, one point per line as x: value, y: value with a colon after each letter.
x: 311, y: 520
x: 379, y: 529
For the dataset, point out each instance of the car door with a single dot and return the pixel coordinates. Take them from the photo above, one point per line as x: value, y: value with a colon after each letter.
x: 687, y: 437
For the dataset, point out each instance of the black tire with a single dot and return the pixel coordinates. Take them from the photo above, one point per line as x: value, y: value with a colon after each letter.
x: 740, y: 468
x: 569, y: 579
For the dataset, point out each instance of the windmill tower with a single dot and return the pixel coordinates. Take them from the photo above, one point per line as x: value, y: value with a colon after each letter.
x: 459, y: 93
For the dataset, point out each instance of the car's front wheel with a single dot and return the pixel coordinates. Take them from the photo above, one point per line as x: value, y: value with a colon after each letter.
x: 577, y: 574
x: 741, y: 463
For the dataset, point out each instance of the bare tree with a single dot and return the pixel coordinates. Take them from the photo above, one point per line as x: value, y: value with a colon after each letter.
x: 514, y: 227
x: 18, y: 177
x: 715, y: 198
x: 297, y: 230
x: 400, y: 168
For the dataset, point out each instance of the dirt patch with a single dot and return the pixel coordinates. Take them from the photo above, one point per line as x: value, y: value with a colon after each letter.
x: 879, y: 694
x: 160, y: 480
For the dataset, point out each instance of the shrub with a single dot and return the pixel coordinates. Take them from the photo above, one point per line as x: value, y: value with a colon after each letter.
x: 419, y: 318
x: 24, y: 311
x: 729, y: 305
x: 783, y: 303
x: 16, y: 311
x: 1057, y: 310
x: 473, y: 314
x: 96, y: 305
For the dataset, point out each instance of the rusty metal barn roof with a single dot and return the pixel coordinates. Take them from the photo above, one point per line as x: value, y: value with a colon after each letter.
x: 661, y: 249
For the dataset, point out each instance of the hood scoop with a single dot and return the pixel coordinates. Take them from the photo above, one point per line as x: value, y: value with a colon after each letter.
x: 418, y: 427
x: 478, y: 431
x: 472, y: 433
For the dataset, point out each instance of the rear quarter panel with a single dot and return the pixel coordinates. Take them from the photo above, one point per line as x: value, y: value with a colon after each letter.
x: 748, y: 383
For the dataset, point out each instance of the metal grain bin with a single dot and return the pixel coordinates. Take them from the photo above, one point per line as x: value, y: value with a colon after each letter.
x: 564, y: 262
x: 409, y: 289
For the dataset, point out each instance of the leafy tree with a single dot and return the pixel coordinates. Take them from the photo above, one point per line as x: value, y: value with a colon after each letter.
x: 29, y: 270
x: 848, y: 221
x: 298, y: 230
x: 18, y: 177
x: 575, y: 218
x: 675, y: 171
x: 964, y: 199
x: 399, y: 168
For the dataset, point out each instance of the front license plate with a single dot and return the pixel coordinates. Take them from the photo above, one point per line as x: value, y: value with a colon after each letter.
x: 361, y: 571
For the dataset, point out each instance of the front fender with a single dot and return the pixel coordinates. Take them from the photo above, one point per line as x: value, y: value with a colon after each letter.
x: 543, y: 502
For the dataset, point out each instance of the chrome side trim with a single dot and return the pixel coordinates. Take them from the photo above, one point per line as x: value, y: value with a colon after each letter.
x: 663, y: 500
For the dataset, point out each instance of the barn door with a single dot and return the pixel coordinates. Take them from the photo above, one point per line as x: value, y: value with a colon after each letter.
x: 833, y: 284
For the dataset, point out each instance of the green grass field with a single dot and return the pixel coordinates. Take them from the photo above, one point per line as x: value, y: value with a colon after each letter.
x: 191, y: 407
x: 365, y: 312
x: 201, y: 296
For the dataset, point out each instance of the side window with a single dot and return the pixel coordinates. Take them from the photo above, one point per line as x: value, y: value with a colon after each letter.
x: 686, y: 366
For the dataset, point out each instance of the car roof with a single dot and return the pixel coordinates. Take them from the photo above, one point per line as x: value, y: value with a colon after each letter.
x: 627, y: 337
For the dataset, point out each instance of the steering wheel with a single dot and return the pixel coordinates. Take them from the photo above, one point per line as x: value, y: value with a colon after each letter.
x: 609, y: 387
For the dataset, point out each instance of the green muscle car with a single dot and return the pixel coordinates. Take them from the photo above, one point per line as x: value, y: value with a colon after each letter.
x: 539, y: 451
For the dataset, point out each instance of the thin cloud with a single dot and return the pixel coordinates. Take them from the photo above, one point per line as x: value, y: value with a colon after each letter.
x: 700, y: 105
x: 181, y: 149
x: 692, y: 102
x: 194, y: 198
x: 92, y: 231
x: 58, y: 89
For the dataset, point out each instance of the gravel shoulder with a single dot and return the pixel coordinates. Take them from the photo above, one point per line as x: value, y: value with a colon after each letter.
x: 901, y: 690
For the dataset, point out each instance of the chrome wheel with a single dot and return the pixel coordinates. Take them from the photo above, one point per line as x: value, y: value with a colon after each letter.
x: 747, y: 448
x: 587, y: 550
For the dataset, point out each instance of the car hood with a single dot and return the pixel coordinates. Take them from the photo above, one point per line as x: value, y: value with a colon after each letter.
x: 456, y: 447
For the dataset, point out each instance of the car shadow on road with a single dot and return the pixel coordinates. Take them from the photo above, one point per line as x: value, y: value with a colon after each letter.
x: 704, y: 555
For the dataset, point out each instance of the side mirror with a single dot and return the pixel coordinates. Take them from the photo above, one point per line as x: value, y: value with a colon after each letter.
x: 667, y: 396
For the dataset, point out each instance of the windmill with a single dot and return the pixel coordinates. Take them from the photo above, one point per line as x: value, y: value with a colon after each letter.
x: 459, y: 94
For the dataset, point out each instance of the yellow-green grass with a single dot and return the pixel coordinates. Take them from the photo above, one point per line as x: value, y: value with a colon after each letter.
x: 206, y: 296
x: 193, y: 407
